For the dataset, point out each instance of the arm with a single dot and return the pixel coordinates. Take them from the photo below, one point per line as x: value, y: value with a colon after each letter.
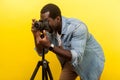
x: 63, y: 52
x: 78, y: 44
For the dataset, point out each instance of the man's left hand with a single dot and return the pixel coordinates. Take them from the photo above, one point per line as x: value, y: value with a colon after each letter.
x: 44, y: 41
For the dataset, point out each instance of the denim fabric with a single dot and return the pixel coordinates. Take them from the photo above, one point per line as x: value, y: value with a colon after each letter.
x: 87, y: 55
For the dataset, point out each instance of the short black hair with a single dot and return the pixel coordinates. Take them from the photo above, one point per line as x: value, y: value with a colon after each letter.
x: 53, y: 9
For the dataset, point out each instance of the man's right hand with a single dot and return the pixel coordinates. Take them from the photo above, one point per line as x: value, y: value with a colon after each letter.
x: 36, y: 34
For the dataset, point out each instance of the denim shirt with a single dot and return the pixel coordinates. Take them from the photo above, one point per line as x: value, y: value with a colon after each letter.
x: 87, y: 54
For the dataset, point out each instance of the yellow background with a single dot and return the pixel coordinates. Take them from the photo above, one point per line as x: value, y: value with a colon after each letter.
x: 17, y: 55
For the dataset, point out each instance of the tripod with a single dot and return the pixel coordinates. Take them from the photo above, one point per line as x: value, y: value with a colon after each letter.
x: 45, y: 69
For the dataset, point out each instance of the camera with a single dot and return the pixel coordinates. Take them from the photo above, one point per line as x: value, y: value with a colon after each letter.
x: 42, y: 25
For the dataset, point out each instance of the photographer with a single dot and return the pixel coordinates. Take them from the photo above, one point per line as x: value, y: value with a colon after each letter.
x: 77, y: 50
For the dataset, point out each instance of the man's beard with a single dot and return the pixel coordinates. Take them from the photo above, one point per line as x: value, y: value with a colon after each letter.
x: 50, y: 29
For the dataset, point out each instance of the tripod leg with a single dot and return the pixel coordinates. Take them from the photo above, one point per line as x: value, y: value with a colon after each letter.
x: 35, y: 71
x: 44, y: 70
x: 49, y: 72
x: 46, y: 76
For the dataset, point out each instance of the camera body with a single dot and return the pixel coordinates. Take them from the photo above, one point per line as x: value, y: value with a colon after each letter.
x: 42, y: 25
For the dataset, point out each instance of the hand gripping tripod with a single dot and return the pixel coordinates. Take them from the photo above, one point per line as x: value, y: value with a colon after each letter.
x: 45, y: 69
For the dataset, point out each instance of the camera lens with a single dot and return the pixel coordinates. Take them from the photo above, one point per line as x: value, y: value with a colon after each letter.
x: 36, y: 25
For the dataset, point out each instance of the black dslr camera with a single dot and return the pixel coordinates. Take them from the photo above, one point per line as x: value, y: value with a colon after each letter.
x: 42, y: 25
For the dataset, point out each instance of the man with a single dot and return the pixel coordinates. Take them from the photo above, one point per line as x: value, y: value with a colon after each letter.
x: 77, y: 50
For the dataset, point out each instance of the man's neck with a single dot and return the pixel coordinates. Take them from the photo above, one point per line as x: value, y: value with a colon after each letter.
x: 59, y: 32
x: 60, y: 29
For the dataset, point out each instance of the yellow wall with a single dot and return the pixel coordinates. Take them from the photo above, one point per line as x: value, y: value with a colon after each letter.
x: 17, y: 56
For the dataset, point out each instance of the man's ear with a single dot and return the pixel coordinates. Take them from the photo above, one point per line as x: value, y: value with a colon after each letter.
x: 58, y: 18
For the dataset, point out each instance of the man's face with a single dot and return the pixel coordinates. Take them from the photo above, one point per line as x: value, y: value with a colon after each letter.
x: 54, y: 23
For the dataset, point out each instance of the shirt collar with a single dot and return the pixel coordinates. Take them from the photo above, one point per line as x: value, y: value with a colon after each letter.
x: 64, y: 29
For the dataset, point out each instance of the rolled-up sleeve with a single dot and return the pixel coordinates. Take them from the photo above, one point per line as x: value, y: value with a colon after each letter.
x: 78, y: 44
